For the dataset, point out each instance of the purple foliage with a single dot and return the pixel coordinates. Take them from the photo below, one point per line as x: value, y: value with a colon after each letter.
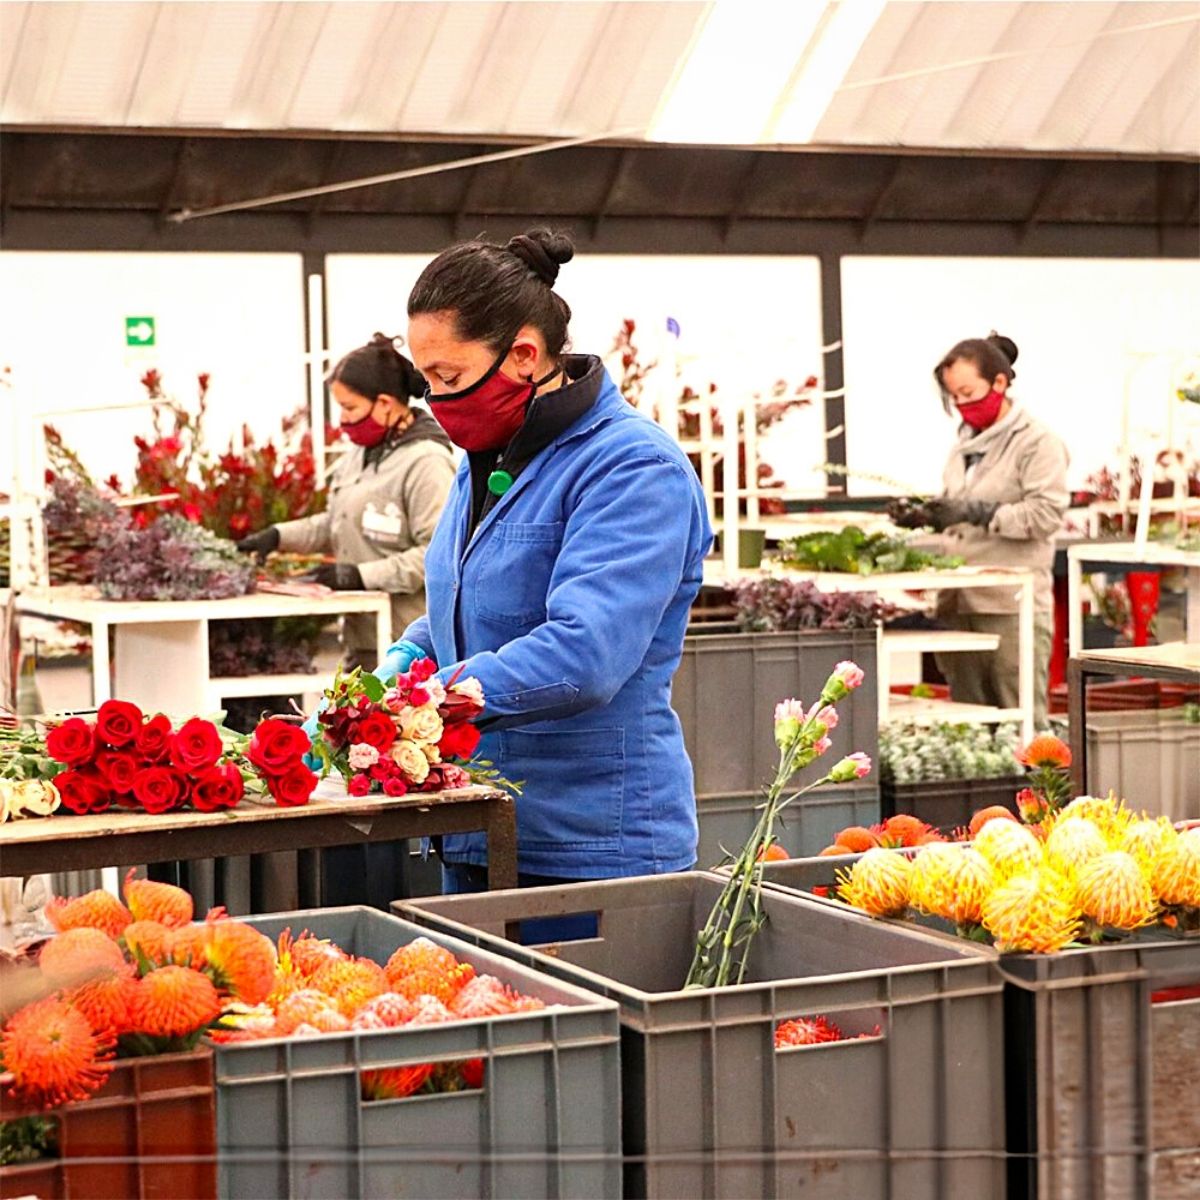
x: 782, y: 605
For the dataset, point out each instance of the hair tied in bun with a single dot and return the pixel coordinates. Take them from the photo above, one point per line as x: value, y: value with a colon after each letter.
x: 1005, y: 345
x: 535, y: 257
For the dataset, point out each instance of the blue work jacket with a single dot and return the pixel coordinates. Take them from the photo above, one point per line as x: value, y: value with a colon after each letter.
x: 569, y: 604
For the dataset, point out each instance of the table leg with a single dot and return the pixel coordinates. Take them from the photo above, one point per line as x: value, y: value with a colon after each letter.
x: 1074, y: 605
x: 1077, y: 724
x: 502, y: 843
x: 1025, y: 671
x: 1192, y: 625
x: 101, y: 673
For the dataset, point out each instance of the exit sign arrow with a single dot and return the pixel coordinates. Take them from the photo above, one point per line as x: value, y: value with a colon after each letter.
x: 139, y: 331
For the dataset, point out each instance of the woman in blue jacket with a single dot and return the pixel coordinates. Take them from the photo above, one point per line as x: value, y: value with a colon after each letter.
x: 561, y: 572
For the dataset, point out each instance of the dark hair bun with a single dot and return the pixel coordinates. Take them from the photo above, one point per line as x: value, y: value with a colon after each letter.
x: 543, y: 251
x: 1006, y: 346
x: 379, y: 368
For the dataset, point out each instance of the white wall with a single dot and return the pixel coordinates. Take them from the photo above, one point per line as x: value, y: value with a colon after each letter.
x: 62, y: 330
x: 1077, y: 323
x: 744, y: 322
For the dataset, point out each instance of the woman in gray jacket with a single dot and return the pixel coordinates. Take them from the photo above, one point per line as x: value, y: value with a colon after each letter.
x: 385, y: 493
x: 1005, y: 493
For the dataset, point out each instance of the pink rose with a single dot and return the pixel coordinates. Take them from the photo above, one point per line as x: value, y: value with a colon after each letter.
x: 363, y: 757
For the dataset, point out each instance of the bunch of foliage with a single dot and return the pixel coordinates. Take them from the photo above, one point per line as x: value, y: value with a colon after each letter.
x: 770, y: 605
x: 850, y: 550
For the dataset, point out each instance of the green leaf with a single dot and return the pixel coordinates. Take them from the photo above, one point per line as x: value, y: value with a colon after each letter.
x: 373, y: 688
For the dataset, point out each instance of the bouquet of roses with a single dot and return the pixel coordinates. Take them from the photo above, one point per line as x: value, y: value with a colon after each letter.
x: 402, y: 735
x: 139, y: 762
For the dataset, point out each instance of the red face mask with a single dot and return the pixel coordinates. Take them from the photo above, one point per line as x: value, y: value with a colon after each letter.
x: 981, y: 414
x: 366, y: 431
x: 486, y: 415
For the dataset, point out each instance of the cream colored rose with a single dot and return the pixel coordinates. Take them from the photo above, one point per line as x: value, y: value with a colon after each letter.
x: 431, y: 752
x: 38, y: 798
x: 421, y: 724
x: 471, y: 688
x: 410, y: 759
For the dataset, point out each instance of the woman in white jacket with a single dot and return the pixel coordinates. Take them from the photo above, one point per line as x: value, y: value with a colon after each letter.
x: 1005, y: 493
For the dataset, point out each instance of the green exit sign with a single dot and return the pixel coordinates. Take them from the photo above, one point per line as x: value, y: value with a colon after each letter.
x: 139, y: 331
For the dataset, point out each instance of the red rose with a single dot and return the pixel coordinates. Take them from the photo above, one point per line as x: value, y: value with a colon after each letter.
x: 383, y: 769
x: 196, y: 746
x: 359, y: 785
x: 423, y: 669
x: 153, y: 741
x: 73, y: 742
x: 294, y: 786
x: 83, y: 791
x: 460, y: 740
x: 276, y: 746
x: 159, y: 789
x: 118, y: 768
x: 393, y: 785
x: 376, y: 730
x: 218, y: 787
x: 118, y: 723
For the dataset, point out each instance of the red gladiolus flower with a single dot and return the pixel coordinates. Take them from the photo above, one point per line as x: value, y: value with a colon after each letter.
x: 73, y: 742
x: 376, y: 730
x: 196, y: 746
x: 118, y: 768
x: 460, y: 740
x: 153, y: 742
x: 83, y: 791
x: 118, y: 723
x: 276, y: 746
x: 159, y: 789
x: 295, y: 786
x: 359, y: 785
x: 218, y: 787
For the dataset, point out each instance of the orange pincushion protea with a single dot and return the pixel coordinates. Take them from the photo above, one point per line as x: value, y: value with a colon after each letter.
x: 1045, y: 751
x: 162, y: 902
x: 79, y: 955
x: 309, y: 954
x: 53, y: 1055
x: 1176, y: 871
x: 877, y: 883
x: 423, y: 968
x: 1113, y: 891
x: 994, y: 812
x: 856, y: 839
x: 241, y: 960
x: 149, y: 938
x: 901, y: 830
x: 93, y: 910
x: 390, y: 1008
x: 107, y: 1002
x: 394, y: 1083
x: 1031, y: 912
x: 350, y: 983
x: 301, y: 1008
x: 486, y: 996
x: 1009, y: 847
x: 1073, y: 842
x: 174, y: 1002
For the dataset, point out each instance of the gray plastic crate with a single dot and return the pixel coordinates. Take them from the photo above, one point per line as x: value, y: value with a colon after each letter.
x: 808, y: 825
x: 1100, y: 1080
x: 711, y: 1108
x: 291, y: 1121
x: 727, y: 686
x: 1153, y: 758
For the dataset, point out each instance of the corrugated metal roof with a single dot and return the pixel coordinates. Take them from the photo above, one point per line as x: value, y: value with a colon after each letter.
x: 1071, y: 75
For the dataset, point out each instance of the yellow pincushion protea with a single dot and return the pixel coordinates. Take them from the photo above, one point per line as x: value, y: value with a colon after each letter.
x: 1114, y: 892
x: 1146, y: 838
x: 974, y: 881
x: 931, y: 879
x: 877, y: 883
x: 1072, y: 842
x: 1032, y: 912
x: 1175, y: 873
x: 1107, y: 813
x: 1009, y: 847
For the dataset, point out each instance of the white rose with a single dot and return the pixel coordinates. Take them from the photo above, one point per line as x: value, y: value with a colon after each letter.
x: 411, y: 761
x: 471, y: 688
x: 36, y: 798
x: 431, y: 752
x: 421, y: 724
x: 437, y: 693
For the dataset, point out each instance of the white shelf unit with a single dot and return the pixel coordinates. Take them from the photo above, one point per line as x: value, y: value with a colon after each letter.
x: 161, y: 647
x: 718, y: 574
x: 1132, y: 554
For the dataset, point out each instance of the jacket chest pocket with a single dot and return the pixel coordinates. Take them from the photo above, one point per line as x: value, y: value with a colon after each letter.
x: 512, y: 576
x: 383, y: 525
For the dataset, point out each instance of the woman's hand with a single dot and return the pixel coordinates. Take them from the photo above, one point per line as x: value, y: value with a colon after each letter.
x: 262, y: 543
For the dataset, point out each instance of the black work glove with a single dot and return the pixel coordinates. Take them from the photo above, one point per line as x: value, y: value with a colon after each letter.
x: 944, y: 512
x: 342, y: 577
x: 262, y: 543
x: 908, y: 513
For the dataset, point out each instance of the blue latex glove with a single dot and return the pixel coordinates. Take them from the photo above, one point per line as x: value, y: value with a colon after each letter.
x: 310, y: 727
x: 400, y: 656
